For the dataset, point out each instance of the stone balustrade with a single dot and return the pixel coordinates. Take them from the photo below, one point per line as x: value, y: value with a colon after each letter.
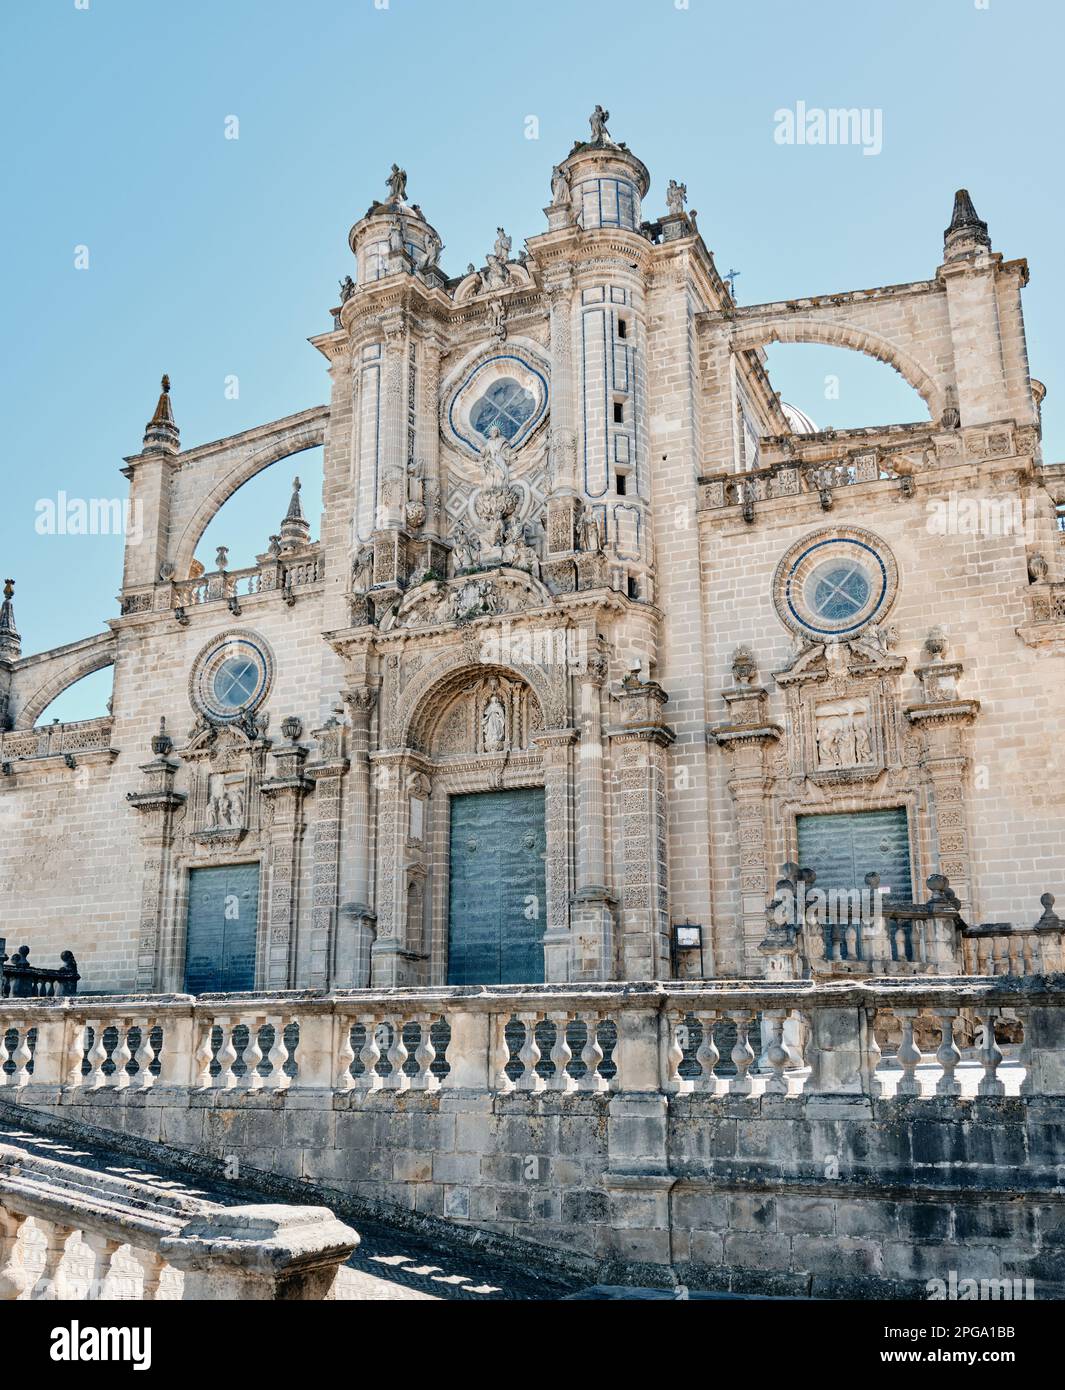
x: 634, y: 1126
x: 787, y: 1038
x: 274, y: 573
x: 56, y: 740
x: 77, y: 1231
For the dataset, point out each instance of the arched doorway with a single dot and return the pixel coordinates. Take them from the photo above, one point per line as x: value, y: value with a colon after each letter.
x: 466, y: 810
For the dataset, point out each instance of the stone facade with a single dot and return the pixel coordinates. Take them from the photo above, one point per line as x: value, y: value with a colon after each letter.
x: 570, y: 540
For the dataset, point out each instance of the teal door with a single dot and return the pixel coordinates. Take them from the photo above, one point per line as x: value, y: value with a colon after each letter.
x: 842, y: 849
x: 222, y: 923
x: 496, y: 888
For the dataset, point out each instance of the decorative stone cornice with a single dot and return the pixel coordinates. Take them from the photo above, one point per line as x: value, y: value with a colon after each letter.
x: 944, y: 712
x: 729, y: 735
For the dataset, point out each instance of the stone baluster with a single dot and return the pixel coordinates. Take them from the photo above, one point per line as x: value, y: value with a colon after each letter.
x: 145, y: 1056
x: 743, y: 1054
x: 103, y: 1250
x: 15, y: 1279
x: 1000, y: 957
x: 990, y: 1056
x: 591, y: 1055
x: 49, y: 1285
x: 253, y: 1052
x: 425, y: 1056
x: 776, y: 1053
x: 869, y: 1049
x: 707, y: 1055
x: 204, y: 1054
x: 397, y: 1079
x: 948, y: 1055
x: 345, y: 1079
x: 22, y: 1057
x: 529, y: 1056
x: 369, y: 1054
x: 77, y: 1042
x: 561, y: 1053
x: 227, y: 1056
x: 152, y: 1266
x: 277, y: 1079
x: 500, y: 1078
x: 675, y: 1029
x: 909, y: 1055
x: 97, y: 1056
x: 122, y: 1054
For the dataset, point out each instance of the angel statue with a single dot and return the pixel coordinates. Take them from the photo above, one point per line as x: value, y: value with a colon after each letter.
x: 396, y: 184
x: 676, y: 197
x: 597, y: 120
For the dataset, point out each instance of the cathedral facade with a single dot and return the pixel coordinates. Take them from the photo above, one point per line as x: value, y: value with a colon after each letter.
x: 597, y: 633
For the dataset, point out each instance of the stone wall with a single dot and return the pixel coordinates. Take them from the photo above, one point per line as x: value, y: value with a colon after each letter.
x: 833, y: 1182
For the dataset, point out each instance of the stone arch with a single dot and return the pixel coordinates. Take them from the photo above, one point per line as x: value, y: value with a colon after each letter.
x: 309, y: 437
x: 430, y: 692
x: 82, y: 663
x: 808, y: 330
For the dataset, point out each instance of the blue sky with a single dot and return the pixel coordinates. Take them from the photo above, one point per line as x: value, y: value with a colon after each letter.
x: 212, y: 258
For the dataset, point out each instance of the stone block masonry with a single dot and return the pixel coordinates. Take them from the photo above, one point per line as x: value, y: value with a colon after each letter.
x: 597, y: 1129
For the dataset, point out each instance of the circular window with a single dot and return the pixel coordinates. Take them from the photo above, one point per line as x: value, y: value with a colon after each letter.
x: 506, y: 406
x: 498, y: 390
x: 833, y: 585
x: 231, y: 676
x: 835, y: 591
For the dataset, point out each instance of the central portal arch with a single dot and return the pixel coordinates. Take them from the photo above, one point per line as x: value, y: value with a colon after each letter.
x: 473, y: 887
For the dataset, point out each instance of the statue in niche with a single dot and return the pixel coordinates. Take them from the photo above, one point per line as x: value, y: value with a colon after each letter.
x: 494, y: 724
x: 591, y: 535
x: 862, y: 750
x: 676, y: 197
x: 431, y: 256
x: 560, y: 191
x: 597, y: 120
x: 362, y: 569
x: 395, y: 235
x: 396, y: 184
x: 497, y: 315
x: 215, y: 792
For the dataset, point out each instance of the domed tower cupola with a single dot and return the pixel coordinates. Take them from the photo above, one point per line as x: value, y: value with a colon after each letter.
x: 601, y: 182
x: 394, y: 238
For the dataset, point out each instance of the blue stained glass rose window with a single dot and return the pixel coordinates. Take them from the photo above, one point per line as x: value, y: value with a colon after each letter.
x: 235, y: 682
x: 837, y: 591
x: 506, y: 404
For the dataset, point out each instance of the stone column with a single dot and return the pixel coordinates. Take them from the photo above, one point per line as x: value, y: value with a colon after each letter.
x: 327, y: 773
x: 592, y: 908
x: 392, y: 964
x: 639, y: 759
x: 357, y: 925
x: 429, y: 435
x: 555, y: 746
x: 748, y: 740
x: 158, y: 957
x: 389, y: 543
x: 285, y: 791
x: 563, y: 503
x: 943, y: 719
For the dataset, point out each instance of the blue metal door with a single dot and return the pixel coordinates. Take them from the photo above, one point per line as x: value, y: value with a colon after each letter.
x: 496, y: 888
x: 222, y: 922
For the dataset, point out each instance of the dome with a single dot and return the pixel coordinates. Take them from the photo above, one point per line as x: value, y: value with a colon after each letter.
x: 799, y: 421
